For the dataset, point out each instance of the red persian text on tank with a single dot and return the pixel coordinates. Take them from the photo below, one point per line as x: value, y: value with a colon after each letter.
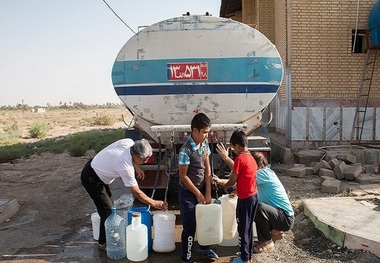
x: 187, y: 71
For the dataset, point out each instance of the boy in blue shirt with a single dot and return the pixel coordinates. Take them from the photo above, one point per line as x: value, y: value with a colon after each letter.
x: 195, y: 183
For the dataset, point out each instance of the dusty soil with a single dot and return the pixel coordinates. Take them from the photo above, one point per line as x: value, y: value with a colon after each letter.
x: 54, y: 225
x: 60, y: 121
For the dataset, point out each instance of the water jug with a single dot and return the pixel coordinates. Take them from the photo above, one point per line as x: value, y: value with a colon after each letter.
x: 229, y: 216
x: 164, y: 232
x: 230, y: 242
x: 95, y: 220
x: 209, y: 228
x: 122, y: 204
x: 115, y: 235
x: 146, y: 219
x: 137, y: 239
x: 235, y: 240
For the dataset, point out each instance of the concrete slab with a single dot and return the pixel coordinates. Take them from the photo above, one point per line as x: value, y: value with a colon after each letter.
x: 8, y: 208
x: 372, y: 189
x: 350, y: 222
x: 368, y: 179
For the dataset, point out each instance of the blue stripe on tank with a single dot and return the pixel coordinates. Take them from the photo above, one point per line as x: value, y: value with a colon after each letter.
x: 196, y: 89
x: 240, y: 69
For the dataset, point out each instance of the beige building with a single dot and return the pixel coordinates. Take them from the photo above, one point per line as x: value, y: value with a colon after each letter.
x: 323, y: 46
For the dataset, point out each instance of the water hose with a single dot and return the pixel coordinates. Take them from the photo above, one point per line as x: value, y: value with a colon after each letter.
x: 216, y: 201
x: 172, y: 156
x: 158, y: 166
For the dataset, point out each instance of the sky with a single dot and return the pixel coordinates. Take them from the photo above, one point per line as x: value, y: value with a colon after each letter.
x: 54, y: 52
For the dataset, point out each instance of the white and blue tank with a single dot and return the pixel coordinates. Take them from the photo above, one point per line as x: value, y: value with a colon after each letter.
x: 178, y: 67
x: 374, y: 24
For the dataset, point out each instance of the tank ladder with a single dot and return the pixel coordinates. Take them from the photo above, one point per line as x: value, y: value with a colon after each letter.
x: 364, y: 94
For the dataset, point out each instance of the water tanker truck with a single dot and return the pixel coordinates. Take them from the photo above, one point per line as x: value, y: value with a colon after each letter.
x: 181, y: 66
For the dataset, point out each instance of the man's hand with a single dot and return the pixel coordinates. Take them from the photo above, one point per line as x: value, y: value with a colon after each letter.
x: 160, y: 205
x: 139, y: 173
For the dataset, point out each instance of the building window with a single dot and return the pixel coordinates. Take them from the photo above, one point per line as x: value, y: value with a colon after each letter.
x: 359, y: 41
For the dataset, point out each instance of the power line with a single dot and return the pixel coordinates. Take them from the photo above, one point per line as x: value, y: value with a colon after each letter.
x: 119, y: 17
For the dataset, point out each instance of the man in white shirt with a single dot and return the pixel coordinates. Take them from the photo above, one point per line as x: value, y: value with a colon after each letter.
x: 120, y: 159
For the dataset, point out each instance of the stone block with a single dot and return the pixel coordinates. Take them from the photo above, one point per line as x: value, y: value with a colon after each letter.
x: 323, y: 178
x: 347, y: 158
x: 369, y: 169
x: 359, y: 164
x: 309, y: 171
x: 296, y: 172
x: 339, y: 170
x: 331, y: 186
x: 333, y: 163
x: 359, y: 155
x: 308, y: 156
x: 327, y: 172
x: 330, y: 155
x: 351, y: 172
x: 287, y: 155
x: 312, y: 164
x: 372, y: 157
x: 321, y: 164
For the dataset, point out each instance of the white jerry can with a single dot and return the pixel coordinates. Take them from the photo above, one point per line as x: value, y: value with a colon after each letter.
x: 209, y: 230
x: 229, y: 216
x: 164, y: 232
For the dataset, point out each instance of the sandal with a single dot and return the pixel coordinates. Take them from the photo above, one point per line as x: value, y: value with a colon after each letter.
x: 265, y: 246
x: 277, y: 235
x: 102, y: 247
x: 256, y: 243
x: 236, y: 260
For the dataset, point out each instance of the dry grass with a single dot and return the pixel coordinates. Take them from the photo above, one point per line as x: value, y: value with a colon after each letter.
x: 15, y: 124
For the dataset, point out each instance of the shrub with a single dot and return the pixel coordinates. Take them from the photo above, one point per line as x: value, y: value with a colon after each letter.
x: 76, y: 144
x: 38, y: 129
x: 76, y: 151
x: 12, y: 131
x: 104, y: 120
x: 12, y: 128
x: 95, y: 140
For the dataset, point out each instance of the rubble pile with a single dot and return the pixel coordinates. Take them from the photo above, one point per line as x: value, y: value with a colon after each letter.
x: 359, y: 166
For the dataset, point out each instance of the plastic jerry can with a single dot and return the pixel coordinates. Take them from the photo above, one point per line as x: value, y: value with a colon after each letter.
x: 95, y: 221
x: 164, y: 232
x: 229, y: 216
x: 209, y: 228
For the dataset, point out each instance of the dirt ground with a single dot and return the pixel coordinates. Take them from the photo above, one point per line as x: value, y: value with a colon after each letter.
x: 61, y: 121
x: 54, y: 224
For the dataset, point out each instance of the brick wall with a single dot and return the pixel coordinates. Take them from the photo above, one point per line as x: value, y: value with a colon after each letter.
x: 280, y: 32
x: 323, y: 66
x: 266, y: 18
x: 314, y: 38
x: 322, y: 74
